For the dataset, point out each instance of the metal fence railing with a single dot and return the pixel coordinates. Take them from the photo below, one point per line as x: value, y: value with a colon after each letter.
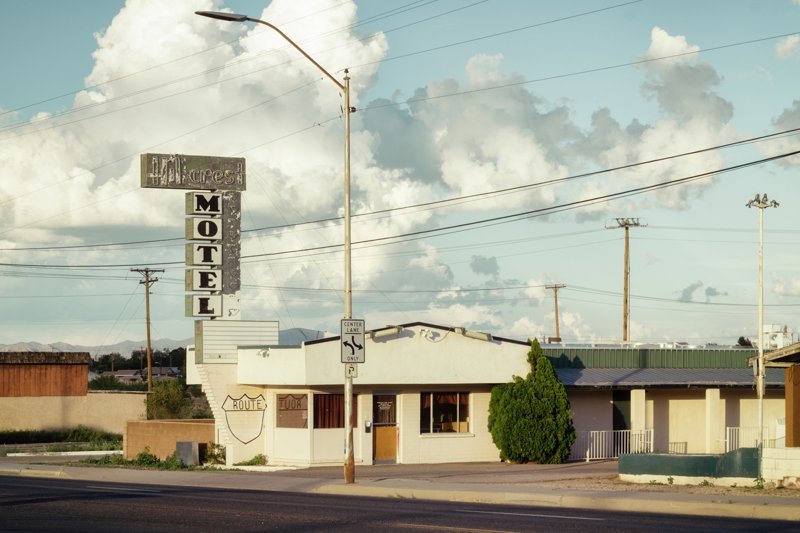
x: 602, y: 444
x: 747, y: 437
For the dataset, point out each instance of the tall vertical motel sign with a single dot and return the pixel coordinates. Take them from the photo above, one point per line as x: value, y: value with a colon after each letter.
x: 213, y: 226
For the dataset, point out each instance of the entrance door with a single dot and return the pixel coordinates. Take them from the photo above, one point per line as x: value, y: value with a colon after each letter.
x: 384, y: 428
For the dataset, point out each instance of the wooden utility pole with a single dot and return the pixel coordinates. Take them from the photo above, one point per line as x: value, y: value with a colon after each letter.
x: 627, y: 223
x: 555, y: 288
x: 147, y: 282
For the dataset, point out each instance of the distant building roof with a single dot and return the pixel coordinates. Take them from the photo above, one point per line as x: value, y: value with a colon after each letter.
x: 600, y: 378
x: 646, y: 357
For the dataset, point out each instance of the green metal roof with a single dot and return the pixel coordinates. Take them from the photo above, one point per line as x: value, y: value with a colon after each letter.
x: 640, y: 357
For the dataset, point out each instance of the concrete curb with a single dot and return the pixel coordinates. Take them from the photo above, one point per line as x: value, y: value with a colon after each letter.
x: 28, y: 471
x: 599, y: 501
x: 65, y: 454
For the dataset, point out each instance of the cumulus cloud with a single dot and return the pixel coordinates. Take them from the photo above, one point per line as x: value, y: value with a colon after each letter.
x: 712, y: 292
x: 662, y: 44
x: 788, y: 119
x: 485, y: 266
x: 687, y: 292
x: 784, y: 286
x: 788, y: 46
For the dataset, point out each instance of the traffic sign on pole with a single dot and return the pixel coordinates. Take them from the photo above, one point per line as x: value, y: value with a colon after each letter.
x: 352, y: 340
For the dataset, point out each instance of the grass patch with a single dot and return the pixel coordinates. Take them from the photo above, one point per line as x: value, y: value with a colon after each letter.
x: 77, y: 439
x: 46, y: 436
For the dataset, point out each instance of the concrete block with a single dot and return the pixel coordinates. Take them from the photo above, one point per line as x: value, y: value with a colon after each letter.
x: 188, y: 453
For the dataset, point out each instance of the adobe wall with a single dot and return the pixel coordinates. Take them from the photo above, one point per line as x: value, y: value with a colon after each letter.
x: 161, y: 436
x: 106, y: 411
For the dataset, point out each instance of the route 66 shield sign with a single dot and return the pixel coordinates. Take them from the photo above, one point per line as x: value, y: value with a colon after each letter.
x: 245, y: 416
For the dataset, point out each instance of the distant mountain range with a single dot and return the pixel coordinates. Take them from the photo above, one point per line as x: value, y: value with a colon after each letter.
x: 293, y: 336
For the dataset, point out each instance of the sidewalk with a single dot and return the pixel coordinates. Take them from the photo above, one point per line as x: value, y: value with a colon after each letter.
x: 573, y: 485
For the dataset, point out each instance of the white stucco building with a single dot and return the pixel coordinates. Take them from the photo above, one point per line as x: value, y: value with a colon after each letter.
x: 422, y: 394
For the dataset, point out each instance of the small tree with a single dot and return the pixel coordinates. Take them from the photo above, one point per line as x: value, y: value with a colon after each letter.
x: 168, y: 400
x: 530, y: 419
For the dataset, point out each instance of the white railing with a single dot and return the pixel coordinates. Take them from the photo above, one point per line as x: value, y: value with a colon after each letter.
x: 747, y: 437
x: 602, y: 444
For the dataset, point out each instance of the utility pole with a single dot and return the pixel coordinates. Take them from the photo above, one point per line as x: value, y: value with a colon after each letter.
x: 761, y: 202
x: 555, y: 288
x: 627, y: 223
x: 147, y: 282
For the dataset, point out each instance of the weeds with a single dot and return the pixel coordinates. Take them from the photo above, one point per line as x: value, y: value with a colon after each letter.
x: 706, y: 483
x: 758, y: 483
x: 258, y: 460
x: 670, y: 480
x: 145, y: 459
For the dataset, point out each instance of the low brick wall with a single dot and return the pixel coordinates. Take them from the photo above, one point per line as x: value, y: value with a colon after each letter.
x: 161, y: 436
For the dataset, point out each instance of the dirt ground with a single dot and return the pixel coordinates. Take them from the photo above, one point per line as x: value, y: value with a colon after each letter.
x: 613, y: 483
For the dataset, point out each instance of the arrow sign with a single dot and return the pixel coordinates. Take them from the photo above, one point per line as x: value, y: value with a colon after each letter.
x: 352, y: 340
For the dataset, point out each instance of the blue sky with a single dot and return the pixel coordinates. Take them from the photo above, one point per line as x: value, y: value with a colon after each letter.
x: 455, y: 98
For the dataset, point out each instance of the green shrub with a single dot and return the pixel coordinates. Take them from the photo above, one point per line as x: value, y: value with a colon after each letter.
x: 146, y: 459
x: 215, y: 454
x: 173, y: 462
x: 258, y: 460
x: 168, y: 400
x: 530, y: 419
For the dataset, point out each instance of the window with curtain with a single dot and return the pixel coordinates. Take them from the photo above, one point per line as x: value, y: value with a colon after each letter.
x: 292, y: 410
x: 444, y: 412
x: 329, y: 411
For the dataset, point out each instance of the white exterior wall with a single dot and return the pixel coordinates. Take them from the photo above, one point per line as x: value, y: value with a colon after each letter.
x: 475, y: 445
x: 781, y: 466
x: 237, y: 427
x: 407, y: 358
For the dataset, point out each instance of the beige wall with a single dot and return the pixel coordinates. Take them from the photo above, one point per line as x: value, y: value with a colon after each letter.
x: 106, y: 411
x: 476, y: 445
x: 591, y: 410
x: 162, y: 436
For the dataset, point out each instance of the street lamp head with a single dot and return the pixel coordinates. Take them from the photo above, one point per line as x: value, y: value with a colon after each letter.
x: 233, y: 17
x: 762, y: 202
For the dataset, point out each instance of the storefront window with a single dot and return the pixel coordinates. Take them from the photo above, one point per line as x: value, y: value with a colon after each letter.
x: 292, y: 410
x: 444, y: 412
x: 329, y: 411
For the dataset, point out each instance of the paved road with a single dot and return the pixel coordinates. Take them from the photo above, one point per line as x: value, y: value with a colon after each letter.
x: 31, y: 504
x: 570, y: 486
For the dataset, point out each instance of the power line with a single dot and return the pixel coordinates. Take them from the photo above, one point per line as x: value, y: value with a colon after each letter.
x: 503, y: 219
x: 507, y: 190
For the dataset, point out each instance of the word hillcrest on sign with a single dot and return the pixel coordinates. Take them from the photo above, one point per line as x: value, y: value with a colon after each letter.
x: 203, y: 172
x: 213, y: 225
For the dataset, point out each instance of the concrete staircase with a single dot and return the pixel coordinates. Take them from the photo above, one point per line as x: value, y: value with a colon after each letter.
x: 224, y: 435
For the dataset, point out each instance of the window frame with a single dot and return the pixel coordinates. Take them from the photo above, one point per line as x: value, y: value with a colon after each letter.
x: 278, y: 418
x: 455, y: 424
x: 325, y: 421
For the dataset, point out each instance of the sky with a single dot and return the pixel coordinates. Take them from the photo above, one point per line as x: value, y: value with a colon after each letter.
x: 495, y: 148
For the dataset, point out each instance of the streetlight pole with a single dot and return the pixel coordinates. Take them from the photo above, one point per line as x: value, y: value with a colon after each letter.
x: 761, y: 203
x: 349, y: 461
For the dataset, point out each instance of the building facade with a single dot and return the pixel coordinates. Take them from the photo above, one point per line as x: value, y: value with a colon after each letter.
x: 422, y: 395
